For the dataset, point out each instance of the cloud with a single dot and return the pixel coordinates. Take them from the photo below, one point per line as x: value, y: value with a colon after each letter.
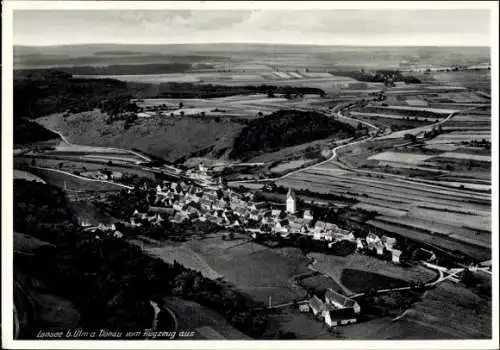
x: 336, y: 27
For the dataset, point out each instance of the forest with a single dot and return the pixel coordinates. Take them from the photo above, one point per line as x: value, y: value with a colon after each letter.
x: 287, y: 128
x: 120, y: 69
x: 379, y: 76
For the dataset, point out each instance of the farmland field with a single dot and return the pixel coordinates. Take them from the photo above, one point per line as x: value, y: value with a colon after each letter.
x: 476, y: 80
x: 251, y: 268
x: 444, y: 243
x: 459, y: 136
x: 448, y: 307
x: 401, y: 202
x: 193, y: 316
x: 233, y: 106
x: 360, y: 281
x: 321, y: 80
x: 334, y: 267
x: 377, y: 116
x: 24, y: 175
x: 393, y: 122
x: 291, y: 165
x: 65, y: 147
x: 400, y: 157
x: 466, y: 156
x: 73, y: 164
x: 319, y: 284
x: 74, y: 183
x: 293, y: 151
x: 418, y: 110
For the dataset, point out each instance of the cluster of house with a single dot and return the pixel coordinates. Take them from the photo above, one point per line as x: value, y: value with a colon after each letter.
x: 179, y: 202
x: 303, y: 224
x: 336, y: 310
x: 103, y: 175
x: 380, y: 246
x: 201, y: 176
x: 101, y: 229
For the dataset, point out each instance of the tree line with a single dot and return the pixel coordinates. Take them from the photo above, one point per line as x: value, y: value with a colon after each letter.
x: 379, y: 76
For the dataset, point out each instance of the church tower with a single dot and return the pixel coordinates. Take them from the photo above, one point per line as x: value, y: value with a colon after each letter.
x: 291, y: 200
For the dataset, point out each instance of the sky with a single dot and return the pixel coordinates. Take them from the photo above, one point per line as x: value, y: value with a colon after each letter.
x: 318, y: 27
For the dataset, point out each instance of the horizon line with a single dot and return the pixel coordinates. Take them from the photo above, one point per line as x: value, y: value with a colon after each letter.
x: 253, y: 43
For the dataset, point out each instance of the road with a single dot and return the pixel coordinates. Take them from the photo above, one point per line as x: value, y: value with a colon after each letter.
x: 421, y: 129
x: 84, y: 178
x: 340, y: 116
x: 121, y: 150
x: 443, y: 276
x: 332, y: 157
x: 157, y: 311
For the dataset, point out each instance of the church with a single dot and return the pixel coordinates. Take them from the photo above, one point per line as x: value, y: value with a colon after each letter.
x: 291, y: 202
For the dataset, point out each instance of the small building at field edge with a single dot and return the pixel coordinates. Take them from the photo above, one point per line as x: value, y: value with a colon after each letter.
x: 336, y: 310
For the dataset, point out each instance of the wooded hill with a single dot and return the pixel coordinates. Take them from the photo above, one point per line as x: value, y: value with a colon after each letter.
x: 287, y: 128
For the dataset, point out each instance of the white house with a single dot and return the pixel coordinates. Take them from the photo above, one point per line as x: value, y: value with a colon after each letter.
x: 318, y: 235
x: 395, y: 256
x: 307, y: 215
x: 337, y: 317
x: 341, y: 301
x: 116, y: 175
x: 275, y: 212
x: 389, y: 242
x: 359, y: 244
x: 304, y: 308
x: 317, y: 305
x: 340, y: 310
x: 372, y: 238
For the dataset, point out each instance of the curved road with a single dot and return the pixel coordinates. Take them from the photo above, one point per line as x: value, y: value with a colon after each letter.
x: 65, y: 140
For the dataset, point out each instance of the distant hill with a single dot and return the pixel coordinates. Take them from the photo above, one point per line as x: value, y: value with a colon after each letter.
x: 120, y: 69
x: 283, y: 55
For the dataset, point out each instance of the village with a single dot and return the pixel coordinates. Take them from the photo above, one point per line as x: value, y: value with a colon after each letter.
x: 203, y: 200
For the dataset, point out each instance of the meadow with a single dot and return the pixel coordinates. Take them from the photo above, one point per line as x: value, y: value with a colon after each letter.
x: 254, y: 269
x: 167, y: 138
x: 21, y: 174
x: 448, y: 307
x: 385, y: 272
x: 73, y: 183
